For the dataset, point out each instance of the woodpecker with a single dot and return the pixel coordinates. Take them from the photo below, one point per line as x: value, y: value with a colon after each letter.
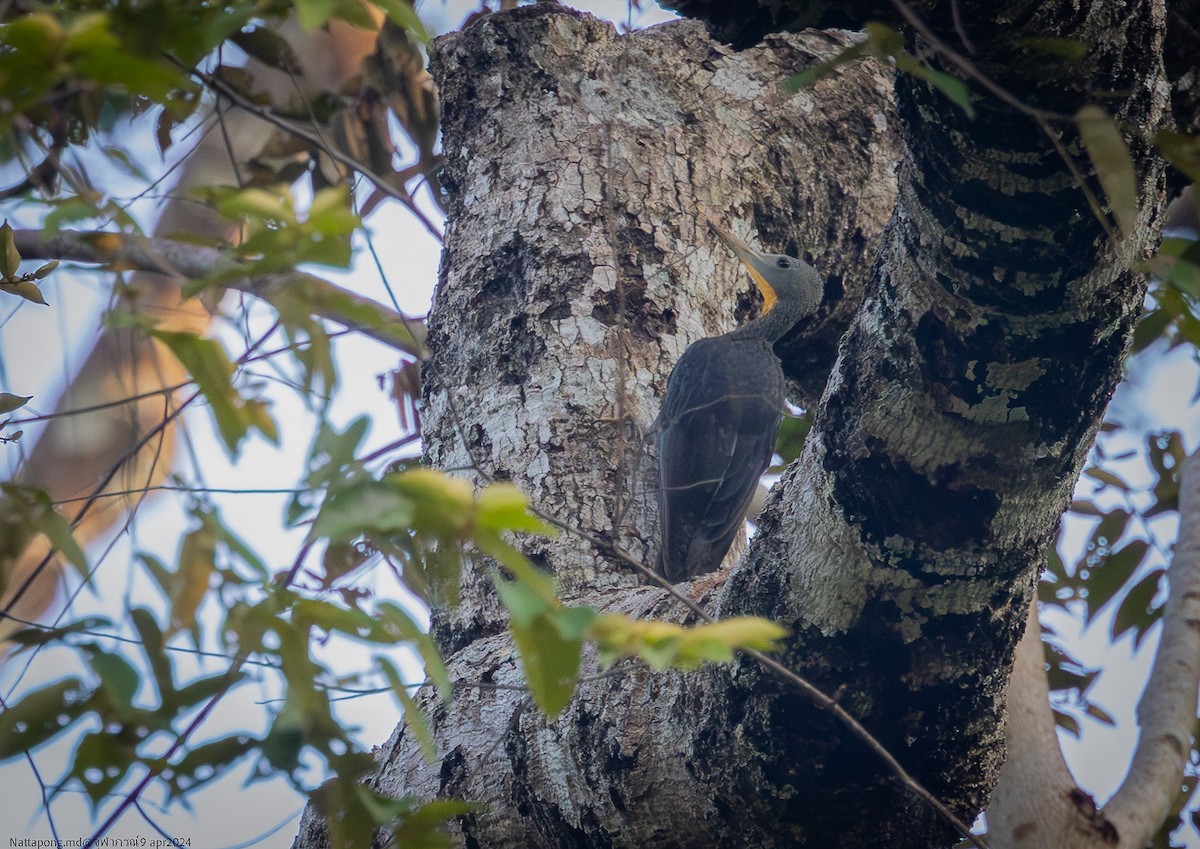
x: 720, y: 415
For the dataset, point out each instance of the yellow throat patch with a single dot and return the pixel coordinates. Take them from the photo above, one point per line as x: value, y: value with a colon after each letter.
x: 768, y: 293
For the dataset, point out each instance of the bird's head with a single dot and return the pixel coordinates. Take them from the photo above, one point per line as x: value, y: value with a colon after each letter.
x: 780, y: 278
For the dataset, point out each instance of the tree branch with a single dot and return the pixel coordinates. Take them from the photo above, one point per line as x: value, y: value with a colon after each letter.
x: 1026, y: 810
x: 180, y: 259
x: 1167, y: 711
x: 1036, y: 802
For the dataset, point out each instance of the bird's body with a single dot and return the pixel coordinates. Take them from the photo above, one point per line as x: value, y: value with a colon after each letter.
x: 719, y: 418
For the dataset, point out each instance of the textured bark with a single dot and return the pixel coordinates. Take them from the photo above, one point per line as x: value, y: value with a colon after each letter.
x: 581, y: 167
x: 958, y: 418
x: 903, y: 547
x: 1179, y: 55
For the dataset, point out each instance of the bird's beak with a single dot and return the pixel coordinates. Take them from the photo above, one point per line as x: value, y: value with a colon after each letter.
x: 755, y: 262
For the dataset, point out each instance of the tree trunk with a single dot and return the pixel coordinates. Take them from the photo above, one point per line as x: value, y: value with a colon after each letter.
x: 901, y: 550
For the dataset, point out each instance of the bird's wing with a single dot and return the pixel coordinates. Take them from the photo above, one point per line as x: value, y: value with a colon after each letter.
x: 717, y: 431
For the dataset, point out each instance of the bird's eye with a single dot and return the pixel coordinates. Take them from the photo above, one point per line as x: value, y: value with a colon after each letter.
x: 783, y: 262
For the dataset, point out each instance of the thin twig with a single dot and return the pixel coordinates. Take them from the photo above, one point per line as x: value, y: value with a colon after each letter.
x: 105, y: 635
x: 818, y: 697
x: 1041, y: 116
x: 971, y: 69
x: 287, y: 125
x: 156, y: 432
x: 163, y: 761
x: 41, y: 786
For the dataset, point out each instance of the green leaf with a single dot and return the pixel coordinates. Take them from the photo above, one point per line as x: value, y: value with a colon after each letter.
x: 424, y: 828
x: 435, y: 667
x: 330, y: 212
x: 1085, y: 508
x: 206, y: 762
x: 285, y: 739
x: 810, y: 76
x: 68, y: 211
x: 191, y: 582
x: 203, y: 689
x: 10, y: 259
x: 793, y: 432
x: 1067, y: 723
x: 333, y: 618
x: 235, y: 544
x: 1106, y: 477
x: 96, y: 53
x: 717, y: 642
x: 40, y: 635
x: 405, y: 15
x: 45, y: 270
x: 267, y: 46
x: 156, y: 654
x: 525, y: 603
x: 1181, y: 257
x: 212, y: 370
x: 1111, y: 575
x: 1152, y: 326
x: 551, y: 662
x: 40, y: 715
x: 1064, y: 48
x: 159, y: 572
x: 1106, y: 147
x: 100, y: 762
x: 503, y: 507
x: 259, y: 206
x: 665, y: 644
x: 528, y: 575
x: 10, y: 402
x: 948, y: 84
x: 313, y: 14
x: 413, y: 715
x: 443, y: 505
x: 1166, y: 454
x: 1182, y: 151
x: 1110, y: 529
x: 365, y: 508
x: 32, y: 508
x: 573, y: 622
x: 118, y: 678
x: 1100, y: 715
x: 24, y: 289
x: 124, y: 161
x: 351, y: 820
x: 354, y: 12
x: 1136, y: 612
x: 883, y: 42
x: 332, y: 456
x: 1065, y: 673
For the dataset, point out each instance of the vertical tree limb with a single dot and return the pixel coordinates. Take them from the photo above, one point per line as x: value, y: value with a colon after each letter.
x: 1166, y: 714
